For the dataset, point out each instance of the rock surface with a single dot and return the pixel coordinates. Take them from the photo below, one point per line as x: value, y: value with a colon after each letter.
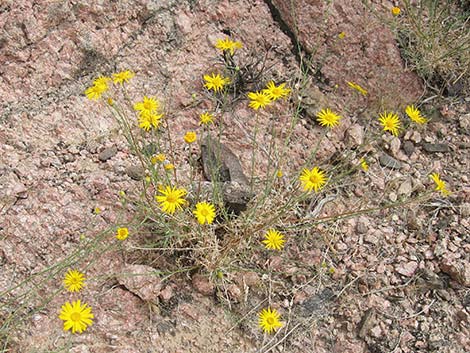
x: 367, y: 55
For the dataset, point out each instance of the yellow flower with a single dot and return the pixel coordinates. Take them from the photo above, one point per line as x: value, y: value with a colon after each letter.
x: 341, y: 35
x: 190, y: 137
x: 273, y: 240
x: 395, y: 11
x: 206, y: 119
x: 328, y: 118
x: 76, y: 316
x: 415, y: 115
x: 148, y: 104
x: 101, y: 81
x: 123, y: 76
x: 275, y: 92
x: 169, y: 166
x: 158, y: 158
x: 171, y: 199
x: 100, y: 85
x: 258, y: 100
x: 97, y: 210
x: 73, y: 280
x: 269, y: 320
x: 279, y: 173
x: 204, y: 212
x: 122, y: 233
x: 110, y: 101
x: 440, y: 184
x: 390, y: 122
x: 358, y: 88
x: 215, y: 82
x: 227, y: 45
x: 313, y: 179
x: 364, y: 165
x: 148, y: 120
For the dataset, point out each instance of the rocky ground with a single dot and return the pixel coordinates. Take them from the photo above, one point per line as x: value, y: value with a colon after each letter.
x: 395, y: 280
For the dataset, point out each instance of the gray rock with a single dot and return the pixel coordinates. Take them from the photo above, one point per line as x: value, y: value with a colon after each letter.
x: 136, y: 172
x: 408, y: 148
x: 389, y: 162
x: 405, y: 188
x: 436, y: 147
x: 221, y: 165
x: 107, y: 153
x: 317, y: 302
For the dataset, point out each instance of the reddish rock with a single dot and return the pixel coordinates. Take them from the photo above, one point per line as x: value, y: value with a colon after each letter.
x: 141, y: 280
x: 407, y: 269
x: 459, y: 271
x: 367, y: 55
x: 203, y: 285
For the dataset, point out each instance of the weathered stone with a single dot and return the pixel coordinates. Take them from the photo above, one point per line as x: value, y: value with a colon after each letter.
x: 464, y: 122
x: 141, y: 280
x: 220, y: 164
x: 367, y: 39
x: 405, y: 188
x: 436, y: 147
x: 459, y: 271
x: 136, y: 172
x: 355, y: 135
x: 407, y: 269
x: 202, y: 284
x: 316, y: 302
x: 389, y: 162
x: 107, y: 153
x: 408, y: 148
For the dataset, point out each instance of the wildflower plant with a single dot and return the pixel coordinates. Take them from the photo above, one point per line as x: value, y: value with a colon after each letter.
x: 182, y: 211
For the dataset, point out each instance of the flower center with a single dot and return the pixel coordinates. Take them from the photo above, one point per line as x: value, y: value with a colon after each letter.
x: 204, y: 212
x: 76, y: 317
x: 171, y: 198
x: 270, y: 320
x: 314, y: 179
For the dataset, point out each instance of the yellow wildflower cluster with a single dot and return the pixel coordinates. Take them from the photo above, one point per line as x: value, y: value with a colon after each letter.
x: 149, y: 116
x: 271, y: 93
x: 101, y: 84
x: 391, y: 122
x: 76, y: 317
